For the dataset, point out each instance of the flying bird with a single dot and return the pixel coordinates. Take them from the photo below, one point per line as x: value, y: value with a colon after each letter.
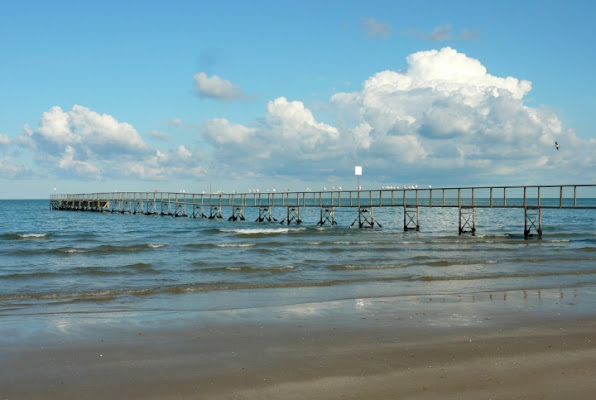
x: 557, y: 145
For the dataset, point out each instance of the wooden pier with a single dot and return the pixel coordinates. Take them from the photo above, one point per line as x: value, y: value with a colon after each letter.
x: 533, y: 199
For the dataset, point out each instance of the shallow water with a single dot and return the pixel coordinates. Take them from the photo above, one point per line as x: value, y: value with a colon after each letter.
x: 66, y: 261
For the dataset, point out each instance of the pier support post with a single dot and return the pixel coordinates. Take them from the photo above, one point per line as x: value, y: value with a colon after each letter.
x: 138, y: 209
x: 327, y: 215
x: 365, y: 218
x: 237, y: 214
x: 151, y: 206
x: 126, y: 206
x: 467, y: 219
x: 215, y: 212
x: 115, y: 205
x: 198, y: 212
x: 411, y: 218
x: 166, y: 207
x: 265, y: 215
x: 180, y: 210
x: 293, y: 215
x: 533, y: 219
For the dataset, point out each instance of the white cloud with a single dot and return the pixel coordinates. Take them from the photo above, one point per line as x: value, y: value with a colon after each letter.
x: 446, y: 111
x: 221, y: 131
x: 443, y: 33
x: 217, y: 88
x: 81, y: 168
x: 177, y: 163
x: 160, y: 135
x: 87, y: 132
x: 83, y: 143
x: 11, y: 170
x: 288, y: 133
x: 295, y: 124
x: 4, y: 140
x: 374, y: 28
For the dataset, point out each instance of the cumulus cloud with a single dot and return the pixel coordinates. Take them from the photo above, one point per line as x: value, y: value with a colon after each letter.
x: 446, y: 111
x: 220, y: 131
x: 296, y: 126
x: 287, y: 139
x: 217, y: 88
x: 4, y: 140
x: 84, y: 143
x: 69, y: 162
x: 375, y: 29
x: 177, y: 163
x: 88, y: 132
x: 12, y: 170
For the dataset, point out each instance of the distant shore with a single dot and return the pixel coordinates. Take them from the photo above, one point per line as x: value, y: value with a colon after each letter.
x: 475, y: 346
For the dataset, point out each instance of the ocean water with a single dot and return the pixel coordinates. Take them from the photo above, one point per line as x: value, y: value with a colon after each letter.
x: 54, y: 262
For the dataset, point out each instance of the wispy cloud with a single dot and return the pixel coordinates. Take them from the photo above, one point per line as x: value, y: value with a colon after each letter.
x: 443, y: 33
x: 375, y: 29
x: 159, y: 135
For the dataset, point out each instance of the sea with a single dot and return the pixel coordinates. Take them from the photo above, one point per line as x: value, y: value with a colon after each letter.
x: 79, y: 263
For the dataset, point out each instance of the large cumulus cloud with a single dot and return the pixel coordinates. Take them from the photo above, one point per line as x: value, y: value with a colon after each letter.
x: 446, y: 112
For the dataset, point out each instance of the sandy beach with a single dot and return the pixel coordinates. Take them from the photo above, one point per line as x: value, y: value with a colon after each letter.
x: 516, y: 345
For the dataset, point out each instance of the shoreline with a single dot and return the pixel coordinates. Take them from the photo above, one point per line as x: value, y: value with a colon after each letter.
x: 484, y: 345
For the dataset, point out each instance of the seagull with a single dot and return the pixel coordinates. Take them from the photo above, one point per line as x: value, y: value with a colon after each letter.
x: 557, y: 145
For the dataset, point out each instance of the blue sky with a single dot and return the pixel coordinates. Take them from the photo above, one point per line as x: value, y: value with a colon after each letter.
x: 144, y: 95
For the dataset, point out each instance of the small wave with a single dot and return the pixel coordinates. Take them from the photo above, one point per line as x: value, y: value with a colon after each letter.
x: 453, y: 263
x: 557, y: 241
x: 354, y: 243
x: 19, y: 275
x: 224, y: 245
x: 130, y: 269
x: 21, y: 236
x: 502, y: 276
x: 144, y: 267
x: 263, y: 231
x: 260, y: 269
x: 72, y: 251
x: 156, y: 246
x: 108, y: 249
x: 350, y: 267
x: 33, y: 235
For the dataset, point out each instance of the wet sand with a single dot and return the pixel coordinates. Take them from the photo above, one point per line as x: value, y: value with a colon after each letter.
x: 518, y: 345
